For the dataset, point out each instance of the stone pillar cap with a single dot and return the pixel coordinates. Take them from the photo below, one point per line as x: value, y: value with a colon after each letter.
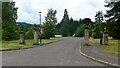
x: 36, y: 29
x: 22, y: 32
x: 86, y: 27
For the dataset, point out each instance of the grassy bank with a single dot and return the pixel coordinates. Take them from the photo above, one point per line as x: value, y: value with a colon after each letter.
x: 29, y: 43
x: 111, y: 48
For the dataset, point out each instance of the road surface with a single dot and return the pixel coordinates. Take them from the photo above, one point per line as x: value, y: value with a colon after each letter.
x: 62, y: 53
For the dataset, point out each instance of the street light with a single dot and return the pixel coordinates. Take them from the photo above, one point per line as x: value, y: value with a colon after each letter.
x: 40, y: 29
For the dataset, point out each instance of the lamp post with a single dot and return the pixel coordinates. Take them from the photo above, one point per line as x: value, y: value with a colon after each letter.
x: 40, y: 29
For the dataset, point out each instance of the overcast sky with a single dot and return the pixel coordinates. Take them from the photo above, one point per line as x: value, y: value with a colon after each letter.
x: 28, y: 10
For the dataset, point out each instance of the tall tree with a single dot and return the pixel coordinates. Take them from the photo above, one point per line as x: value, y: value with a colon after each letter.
x: 99, y: 19
x: 71, y: 22
x: 58, y: 27
x: 51, y: 16
x: 73, y: 26
x: 99, y: 16
x: 114, y: 13
x: 9, y: 16
x: 48, y: 30
x: 50, y: 23
x: 97, y: 30
x: 65, y: 24
x: 97, y: 27
x: 114, y: 19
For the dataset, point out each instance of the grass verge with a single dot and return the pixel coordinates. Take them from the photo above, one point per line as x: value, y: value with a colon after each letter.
x: 111, y: 48
x: 9, y: 45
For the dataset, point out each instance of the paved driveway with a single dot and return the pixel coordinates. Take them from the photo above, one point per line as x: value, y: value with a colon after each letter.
x: 62, y: 53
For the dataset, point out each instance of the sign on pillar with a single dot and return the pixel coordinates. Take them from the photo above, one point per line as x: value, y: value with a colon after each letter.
x: 36, y: 37
x: 22, y: 37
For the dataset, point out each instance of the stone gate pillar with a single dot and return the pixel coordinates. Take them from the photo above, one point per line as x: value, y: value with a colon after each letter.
x: 86, y: 31
x: 22, y: 37
x: 105, y: 37
x: 86, y: 34
x: 36, y: 36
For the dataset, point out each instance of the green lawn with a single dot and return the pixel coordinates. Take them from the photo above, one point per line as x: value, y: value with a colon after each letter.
x: 111, y: 48
x: 29, y: 43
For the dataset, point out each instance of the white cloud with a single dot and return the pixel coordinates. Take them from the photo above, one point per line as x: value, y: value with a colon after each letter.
x: 29, y: 9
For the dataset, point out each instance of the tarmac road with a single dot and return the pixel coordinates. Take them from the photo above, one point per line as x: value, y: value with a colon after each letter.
x: 62, y: 53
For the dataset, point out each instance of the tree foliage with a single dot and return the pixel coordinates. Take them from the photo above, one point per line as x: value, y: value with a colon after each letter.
x: 50, y: 24
x: 99, y: 16
x: 51, y: 16
x: 48, y: 30
x: 113, y: 22
x: 97, y: 26
x: 80, y: 31
x: 9, y: 16
x: 65, y: 24
x: 67, y: 27
x: 96, y: 32
x: 29, y: 34
x: 74, y: 24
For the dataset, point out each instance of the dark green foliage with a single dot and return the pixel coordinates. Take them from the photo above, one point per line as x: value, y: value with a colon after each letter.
x: 82, y: 23
x: 9, y: 32
x: 50, y: 24
x: 96, y: 32
x: 65, y: 24
x: 99, y: 16
x: 114, y: 13
x: 48, y: 30
x: 114, y: 30
x: 17, y: 32
x: 29, y: 34
x: 91, y: 27
x: 67, y: 27
x: 9, y: 11
x: 80, y: 31
x: 58, y: 26
x: 73, y: 26
x: 9, y: 15
x: 0, y: 29
x: 97, y: 27
x: 113, y: 24
x: 27, y: 28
